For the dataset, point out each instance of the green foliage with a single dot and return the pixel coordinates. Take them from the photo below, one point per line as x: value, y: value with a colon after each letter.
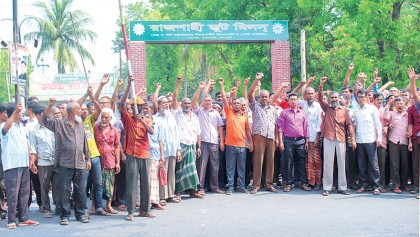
x: 5, y: 75
x: 58, y: 35
x: 370, y: 33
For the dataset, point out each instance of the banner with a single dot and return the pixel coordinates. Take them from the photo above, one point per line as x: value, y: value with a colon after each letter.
x: 65, y: 86
x: 208, y: 31
x: 19, y: 59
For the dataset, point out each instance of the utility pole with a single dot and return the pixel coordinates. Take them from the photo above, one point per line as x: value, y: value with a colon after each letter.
x: 15, y: 40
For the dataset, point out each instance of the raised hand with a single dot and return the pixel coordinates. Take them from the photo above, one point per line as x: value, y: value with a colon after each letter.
x: 202, y: 85
x: 377, y: 80
x: 311, y: 79
x: 90, y: 92
x: 158, y: 85
x: 351, y: 66
x: 411, y: 74
x: 120, y: 82
x: 105, y: 79
x: 259, y: 75
x: 247, y: 80
x: 52, y: 101
x: 233, y: 90
x: 18, y: 108
x: 179, y: 79
x: 323, y: 80
x: 238, y: 82
x: 391, y: 83
x: 285, y: 84
x: 221, y: 81
x: 375, y: 73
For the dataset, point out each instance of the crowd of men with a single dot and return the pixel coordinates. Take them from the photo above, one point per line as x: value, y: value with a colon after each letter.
x: 146, y: 153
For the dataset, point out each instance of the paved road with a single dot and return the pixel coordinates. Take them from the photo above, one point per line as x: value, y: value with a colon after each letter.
x: 297, y: 213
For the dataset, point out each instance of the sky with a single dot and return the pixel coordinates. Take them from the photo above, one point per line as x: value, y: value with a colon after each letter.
x: 104, y: 13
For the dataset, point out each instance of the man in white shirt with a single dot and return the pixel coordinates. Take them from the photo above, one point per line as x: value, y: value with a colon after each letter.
x: 368, y: 137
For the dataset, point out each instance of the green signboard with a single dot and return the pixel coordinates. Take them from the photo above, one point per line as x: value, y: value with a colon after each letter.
x: 208, y: 31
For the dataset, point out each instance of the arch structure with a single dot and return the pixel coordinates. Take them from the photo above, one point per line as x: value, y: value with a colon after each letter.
x: 274, y: 32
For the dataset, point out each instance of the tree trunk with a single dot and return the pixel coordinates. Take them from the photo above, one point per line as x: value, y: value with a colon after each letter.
x: 185, y: 78
x: 226, y: 60
x: 204, y: 67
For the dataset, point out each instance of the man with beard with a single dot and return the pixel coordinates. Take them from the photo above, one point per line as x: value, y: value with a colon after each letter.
x: 335, y: 122
x: 368, y: 137
x: 265, y: 137
x: 237, y: 130
x: 211, y: 130
x: 136, y: 148
x: 168, y: 134
x: 189, y: 132
x: 95, y: 172
x: 313, y: 112
x: 73, y: 158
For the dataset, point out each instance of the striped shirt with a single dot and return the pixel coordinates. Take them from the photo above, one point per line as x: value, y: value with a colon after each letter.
x: 70, y: 143
x: 15, y: 152
x: 265, y: 120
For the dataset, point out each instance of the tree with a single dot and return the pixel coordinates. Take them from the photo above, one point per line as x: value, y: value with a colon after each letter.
x: 59, y: 36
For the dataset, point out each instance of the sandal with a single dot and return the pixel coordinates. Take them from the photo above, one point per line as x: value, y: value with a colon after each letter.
x: 129, y: 217
x: 83, y: 219
x: 162, y: 202
x: 146, y: 214
x: 174, y: 200
x: 376, y: 191
x: 122, y: 207
x: 28, y: 223
x: 111, y: 211
x: 287, y: 188
x: 157, y: 207
x: 102, y: 213
x: 361, y: 190
x: 64, y: 222
x: 196, y: 195
x: 48, y: 215
x: 11, y: 225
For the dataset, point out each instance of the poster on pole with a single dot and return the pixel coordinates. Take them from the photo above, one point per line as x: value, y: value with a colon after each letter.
x: 18, y: 60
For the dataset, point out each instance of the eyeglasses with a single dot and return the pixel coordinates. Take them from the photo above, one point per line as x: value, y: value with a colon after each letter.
x: 361, y: 97
x: 104, y: 102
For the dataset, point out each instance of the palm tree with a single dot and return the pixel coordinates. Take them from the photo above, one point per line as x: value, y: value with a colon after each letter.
x: 58, y: 35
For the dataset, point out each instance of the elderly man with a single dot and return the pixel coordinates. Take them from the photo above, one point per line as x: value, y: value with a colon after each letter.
x: 107, y: 139
x: 313, y: 113
x: 189, y: 132
x: 136, y: 148
x: 368, y: 137
x: 335, y: 123
x: 95, y: 171
x: 211, y: 137
x: 169, y: 135
x: 265, y: 138
x: 15, y: 161
x: 55, y: 112
x: 72, y: 158
x: 237, y: 131
x: 293, y: 125
x: 42, y: 149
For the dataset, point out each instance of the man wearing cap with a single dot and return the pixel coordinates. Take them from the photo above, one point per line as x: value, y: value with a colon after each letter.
x: 136, y: 148
x: 211, y: 129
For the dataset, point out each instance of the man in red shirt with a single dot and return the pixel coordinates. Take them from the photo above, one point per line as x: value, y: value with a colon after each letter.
x: 136, y: 148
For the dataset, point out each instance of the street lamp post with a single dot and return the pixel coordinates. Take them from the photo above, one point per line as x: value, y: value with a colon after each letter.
x: 18, y: 39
